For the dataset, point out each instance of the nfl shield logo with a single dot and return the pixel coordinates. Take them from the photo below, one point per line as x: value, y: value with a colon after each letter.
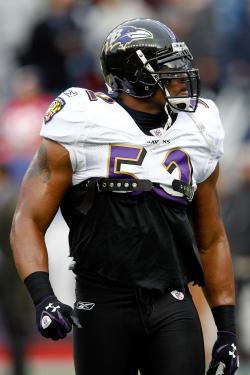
x: 178, y: 295
x: 156, y: 132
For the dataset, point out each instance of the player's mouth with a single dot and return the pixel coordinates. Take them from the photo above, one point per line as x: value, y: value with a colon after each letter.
x: 183, y: 93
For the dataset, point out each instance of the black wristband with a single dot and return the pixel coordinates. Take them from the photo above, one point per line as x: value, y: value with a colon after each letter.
x: 224, y: 317
x: 39, y: 286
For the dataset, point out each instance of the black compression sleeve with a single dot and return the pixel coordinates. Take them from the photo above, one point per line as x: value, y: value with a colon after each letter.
x: 224, y: 317
x: 39, y: 286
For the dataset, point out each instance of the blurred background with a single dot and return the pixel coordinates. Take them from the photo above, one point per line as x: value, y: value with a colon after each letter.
x: 47, y: 46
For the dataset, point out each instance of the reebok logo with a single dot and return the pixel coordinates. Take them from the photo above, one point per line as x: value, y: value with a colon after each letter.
x: 85, y: 305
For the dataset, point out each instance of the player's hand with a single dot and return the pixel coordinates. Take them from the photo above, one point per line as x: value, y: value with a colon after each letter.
x: 54, y: 319
x: 225, y: 356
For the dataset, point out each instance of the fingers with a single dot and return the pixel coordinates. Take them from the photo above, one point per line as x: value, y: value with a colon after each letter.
x: 231, y: 368
x: 213, y: 370
x: 222, y: 369
x: 225, y: 356
x: 55, y: 319
x: 55, y: 330
x: 54, y: 327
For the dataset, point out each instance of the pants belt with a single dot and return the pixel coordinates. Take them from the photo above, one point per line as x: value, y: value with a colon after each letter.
x: 102, y: 184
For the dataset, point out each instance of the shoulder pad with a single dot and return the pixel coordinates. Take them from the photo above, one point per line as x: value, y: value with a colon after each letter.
x: 209, y: 116
x: 208, y: 122
x: 64, y: 119
x: 68, y: 114
x: 67, y: 104
x: 74, y: 102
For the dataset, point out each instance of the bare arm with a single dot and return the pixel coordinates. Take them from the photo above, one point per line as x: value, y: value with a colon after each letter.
x: 213, y: 244
x: 47, y: 179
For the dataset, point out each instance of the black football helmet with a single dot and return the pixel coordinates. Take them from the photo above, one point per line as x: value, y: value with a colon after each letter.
x: 141, y: 55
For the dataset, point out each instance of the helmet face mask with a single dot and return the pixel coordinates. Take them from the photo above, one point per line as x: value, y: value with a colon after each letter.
x: 142, y: 55
x: 186, y: 99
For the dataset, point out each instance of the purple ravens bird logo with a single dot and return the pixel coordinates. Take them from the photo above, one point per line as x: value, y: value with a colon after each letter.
x: 122, y: 37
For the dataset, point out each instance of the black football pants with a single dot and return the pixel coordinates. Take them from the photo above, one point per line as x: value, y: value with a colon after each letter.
x: 124, y: 330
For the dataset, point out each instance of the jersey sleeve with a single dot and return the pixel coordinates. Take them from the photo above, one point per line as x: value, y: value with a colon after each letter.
x: 211, y: 128
x: 65, y: 119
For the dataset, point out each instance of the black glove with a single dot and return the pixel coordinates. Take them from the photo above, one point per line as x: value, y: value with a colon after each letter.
x: 225, y: 356
x: 54, y: 319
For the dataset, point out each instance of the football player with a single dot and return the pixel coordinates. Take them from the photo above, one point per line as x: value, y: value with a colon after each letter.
x: 126, y: 168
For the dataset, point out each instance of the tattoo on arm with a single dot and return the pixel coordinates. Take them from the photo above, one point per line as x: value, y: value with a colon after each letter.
x: 40, y: 165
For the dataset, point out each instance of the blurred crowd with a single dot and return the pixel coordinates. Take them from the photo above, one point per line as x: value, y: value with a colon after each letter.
x: 48, y: 46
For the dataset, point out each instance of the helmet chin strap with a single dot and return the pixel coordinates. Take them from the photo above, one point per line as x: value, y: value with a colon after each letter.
x: 169, y: 120
x: 166, y: 126
x: 170, y: 102
x: 184, y: 103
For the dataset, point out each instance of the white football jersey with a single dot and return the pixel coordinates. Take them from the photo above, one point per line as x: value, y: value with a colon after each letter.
x: 103, y: 140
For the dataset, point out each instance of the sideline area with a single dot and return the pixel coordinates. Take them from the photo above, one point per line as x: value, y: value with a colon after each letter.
x: 43, y: 357
x: 55, y: 358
